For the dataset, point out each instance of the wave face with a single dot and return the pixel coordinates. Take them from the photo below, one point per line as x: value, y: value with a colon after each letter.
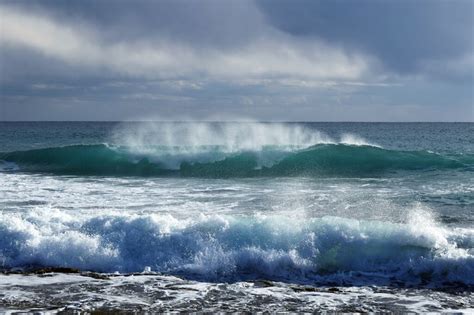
x: 216, y: 161
x: 221, y: 248
x: 82, y: 160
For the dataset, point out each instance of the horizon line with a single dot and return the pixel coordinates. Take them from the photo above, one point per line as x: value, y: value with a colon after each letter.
x: 229, y: 121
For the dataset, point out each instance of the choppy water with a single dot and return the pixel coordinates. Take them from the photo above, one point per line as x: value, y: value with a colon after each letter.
x: 383, y: 211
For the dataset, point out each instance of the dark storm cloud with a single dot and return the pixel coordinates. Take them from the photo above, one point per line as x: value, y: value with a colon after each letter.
x: 405, y: 35
x: 171, y: 39
x: 271, y: 60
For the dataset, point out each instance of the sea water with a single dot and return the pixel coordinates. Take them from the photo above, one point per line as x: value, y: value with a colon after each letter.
x: 237, y: 216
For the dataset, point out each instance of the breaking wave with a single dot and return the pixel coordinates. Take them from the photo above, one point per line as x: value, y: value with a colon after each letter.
x: 221, y: 248
x: 326, y: 159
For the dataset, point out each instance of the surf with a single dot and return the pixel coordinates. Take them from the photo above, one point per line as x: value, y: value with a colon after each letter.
x: 327, y: 159
x: 232, y: 248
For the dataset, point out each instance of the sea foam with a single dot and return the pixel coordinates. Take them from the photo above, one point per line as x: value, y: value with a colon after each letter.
x: 228, y: 248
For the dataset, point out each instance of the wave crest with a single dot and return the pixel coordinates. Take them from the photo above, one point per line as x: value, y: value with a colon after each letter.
x: 214, y: 161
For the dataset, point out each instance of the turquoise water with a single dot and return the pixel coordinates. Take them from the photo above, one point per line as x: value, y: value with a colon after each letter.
x: 307, y: 203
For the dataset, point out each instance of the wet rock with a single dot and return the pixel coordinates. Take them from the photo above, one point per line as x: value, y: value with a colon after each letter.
x: 95, y: 275
x: 264, y: 283
x: 55, y: 270
x: 333, y: 290
x: 305, y: 289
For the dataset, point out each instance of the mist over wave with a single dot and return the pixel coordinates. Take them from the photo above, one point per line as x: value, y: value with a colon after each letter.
x: 228, y: 136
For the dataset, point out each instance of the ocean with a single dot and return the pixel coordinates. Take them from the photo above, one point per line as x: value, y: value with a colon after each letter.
x: 236, y: 216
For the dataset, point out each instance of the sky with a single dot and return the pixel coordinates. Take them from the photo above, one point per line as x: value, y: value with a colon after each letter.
x: 271, y: 60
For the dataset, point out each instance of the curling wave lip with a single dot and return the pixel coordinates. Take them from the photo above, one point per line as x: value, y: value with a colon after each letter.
x: 213, y: 161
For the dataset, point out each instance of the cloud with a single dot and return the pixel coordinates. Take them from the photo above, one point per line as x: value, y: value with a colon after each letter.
x: 276, y: 55
x: 403, y: 35
x: 271, y: 60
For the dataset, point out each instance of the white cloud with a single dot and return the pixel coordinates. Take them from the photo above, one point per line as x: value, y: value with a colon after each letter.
x: 278, y: 55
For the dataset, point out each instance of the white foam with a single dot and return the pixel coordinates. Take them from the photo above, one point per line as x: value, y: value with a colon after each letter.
x: 352, y: 139
x: 217, y: 246
x: 154, y: 293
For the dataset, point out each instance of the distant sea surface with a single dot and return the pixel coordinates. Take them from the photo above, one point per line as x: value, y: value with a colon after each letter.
x: 162, y: 216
